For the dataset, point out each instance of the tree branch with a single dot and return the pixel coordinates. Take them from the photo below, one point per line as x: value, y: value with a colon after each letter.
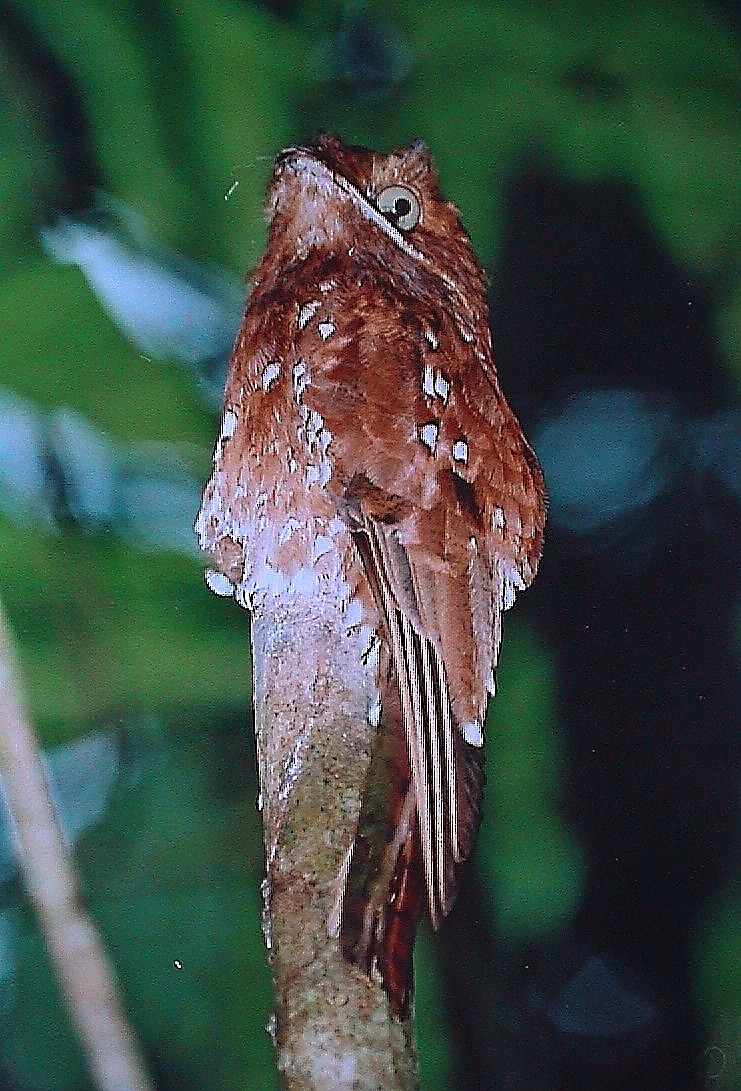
x: 313, y: 691
x: 85, y: 974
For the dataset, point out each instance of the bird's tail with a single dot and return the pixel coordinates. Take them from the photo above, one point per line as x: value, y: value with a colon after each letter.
x: 385, y: 890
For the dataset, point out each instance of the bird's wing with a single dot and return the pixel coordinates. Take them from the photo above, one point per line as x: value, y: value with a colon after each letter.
x: 429, y: 469
x: 446, y: 769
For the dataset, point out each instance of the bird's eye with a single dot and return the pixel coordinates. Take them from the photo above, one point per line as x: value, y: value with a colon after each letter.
x: 399, y: 205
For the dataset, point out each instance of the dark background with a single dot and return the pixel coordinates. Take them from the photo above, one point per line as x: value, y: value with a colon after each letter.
x: 593, y: 150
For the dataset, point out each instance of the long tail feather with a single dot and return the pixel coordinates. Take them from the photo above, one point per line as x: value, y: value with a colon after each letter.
x: 421, y: 800
x: 385, y: 887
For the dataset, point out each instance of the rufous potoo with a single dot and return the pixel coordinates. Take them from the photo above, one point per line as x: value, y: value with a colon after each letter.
x: 367, y: 451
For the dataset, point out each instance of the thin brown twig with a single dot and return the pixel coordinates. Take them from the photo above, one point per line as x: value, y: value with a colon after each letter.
x: 84, y: 971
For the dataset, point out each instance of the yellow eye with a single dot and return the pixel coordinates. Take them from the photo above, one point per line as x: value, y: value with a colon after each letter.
x: 399, y: 205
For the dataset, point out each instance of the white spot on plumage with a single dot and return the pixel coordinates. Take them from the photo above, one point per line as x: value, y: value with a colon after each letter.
x: 326, y: 329
x: 270, y: 373
x: 431, y: 338
x: 460, y: 450
x: 472, y: 733
x: 307, y: 312
x: 318, y: 439
x: 511, y: 582
x: 326, y: 285
x: 300, y: 380
x: 435, y: 384
x: 228, y: 425
x: 498, y: 521
x: 218, y: 583
x: 313, y: 423
x: 428, y: 433
x: 442, y: 386
x: 312, y: 474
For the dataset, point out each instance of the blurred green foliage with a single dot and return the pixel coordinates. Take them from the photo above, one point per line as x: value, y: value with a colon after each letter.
x: 528, y: 858
x: 185, y: 105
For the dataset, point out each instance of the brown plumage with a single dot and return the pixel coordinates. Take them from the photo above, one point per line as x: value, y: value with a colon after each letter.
x: 366, y: 447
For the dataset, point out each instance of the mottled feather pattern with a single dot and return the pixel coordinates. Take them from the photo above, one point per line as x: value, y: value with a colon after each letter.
x: 367, y: 451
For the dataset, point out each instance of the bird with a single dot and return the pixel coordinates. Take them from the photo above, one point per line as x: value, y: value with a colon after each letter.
x: 367, y: 451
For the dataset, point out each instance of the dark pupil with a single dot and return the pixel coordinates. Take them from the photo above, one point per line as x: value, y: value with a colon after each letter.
x: 402, y: 207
